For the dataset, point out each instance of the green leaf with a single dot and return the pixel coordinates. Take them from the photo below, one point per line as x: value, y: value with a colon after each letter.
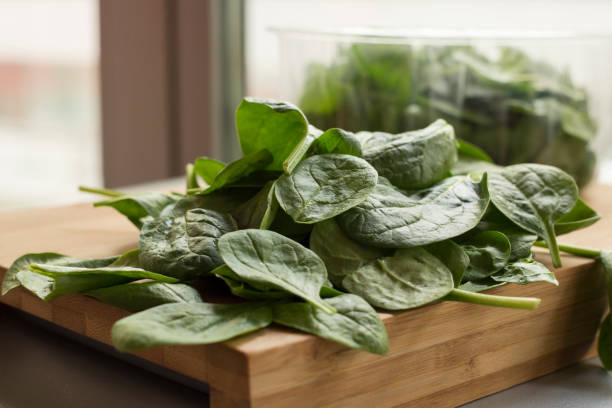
x: 265, y: 258
x: 23, y: 263
x: 262, y: 207
x: 467, y: 149
x: 207, y: 168
x: 222, y: 201
x: 580, y: 216
x: 604, y: 343
x: 488, y: 251
x: 341, y: 255
x: 336, y: 141
x: 246, y: 291
x: 137, y: 207
x: 453, y: 256
x: 135, y: 297
x: 324, y: 186
x: 356, y: 324
x: 412, y: 160
x: 184, y: 247
x: 410, y: 278
x: 267, y: 124
x: 189, y: 323
x: 50, y: 281
x: 524, y: 272
x: 393, y: 219
x: 534, y: 196
x: 481, y: 285
x: 240, y: 169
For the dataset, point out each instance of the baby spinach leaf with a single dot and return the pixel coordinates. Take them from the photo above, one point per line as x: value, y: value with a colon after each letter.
x: 340, y: 254
x: 23, y: 263
x: 580, y: 216
x: 189, y: 323
x: 324, y: 186
x: 468, y: 149
x: 467, y: 165
x: 410, y: 278
x: 534, y: 196
x: 453, y: 256
x: 184, y: 247
x: 488, y: 251
x: 137, y: 207
x: 240, y: 169
x: 604, y: 342
x: 50, y: 281
x: 393, y: 219
x: 481, y: 285
x: 337, y: 141
x: 261, y: 257
x: 525, y: 271
x: 413, y: 160
x: 135, y: 297
x: 355, y: 324
x: 276, y: 126
x: 222, y: 201
x: 207, y: 168
x: 262, y: 207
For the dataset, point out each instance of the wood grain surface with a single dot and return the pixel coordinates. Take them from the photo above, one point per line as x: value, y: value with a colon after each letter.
x: 441, y: 355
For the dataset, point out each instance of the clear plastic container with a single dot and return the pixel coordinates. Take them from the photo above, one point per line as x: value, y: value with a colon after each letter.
x: 522, y: 97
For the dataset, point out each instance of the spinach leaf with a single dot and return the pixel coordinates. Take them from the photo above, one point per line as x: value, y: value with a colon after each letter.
x: 278, y: 127
x: 393, y: 219
x: 467, y: 149
x: 481, y: 285
x: 222, y: 201
x: 337, y: 141
x: 534, y: 196
x: 410, y: 278
x: 580, y: 216
x: 488, y: 251
x: 138, y: 207
x: 189, y: 323
x: 207, y: 168
x: 340, y: 254
x: 23, y: 263
x: 324, y: 186
x: 604, y: 342
x: 240, y: 169
x: 453, y: 256
x: 266, y: 258
x: 184, y: 247
x: 50, y: 281
x: 525, y: 271
x: 355, y: 324
x: 412, y: 160
x: 259, y: 211
x: 135, y: 297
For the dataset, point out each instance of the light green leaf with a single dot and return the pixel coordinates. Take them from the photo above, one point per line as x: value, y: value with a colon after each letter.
x: 525, y: 271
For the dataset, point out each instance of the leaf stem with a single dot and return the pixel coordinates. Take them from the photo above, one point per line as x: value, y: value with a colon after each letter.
x: 574, y: 250
x: 296, y: 155
x: 190, y: 176
x: 553, y: 247
x: 101, y: 191
x: 459, y: 295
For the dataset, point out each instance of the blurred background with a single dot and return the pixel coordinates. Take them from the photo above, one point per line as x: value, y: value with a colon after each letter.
x: 123, y: 92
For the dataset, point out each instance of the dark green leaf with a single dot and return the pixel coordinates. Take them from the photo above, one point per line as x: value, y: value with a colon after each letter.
x: 240, y: 169
x: 488, y: 251
x: 467, y: 149
x: 222, y: 201
x: 534, y: 196
x: 336, y: 141
x: 604, y: 343
x: 137, y: 207
x: 189, y: 323
x: 453, y: 256
x: 207, y: 168
x: 481, y: 286
x: 324, y: 186
x: 266, y: 124
x: 393, y: 219
x: 580, y: 216
x: 355, y: 324
x: 184, y: 247
x: 135, y: 297
x: 525, y: 271
x: 264, y: 258
x: 410, y: 278
x: 262, y: 207
x: 412, y: 160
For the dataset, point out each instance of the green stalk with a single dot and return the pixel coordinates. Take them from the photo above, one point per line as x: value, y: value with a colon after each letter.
x: 574, y: 250
x: 526, y: 303
x: 295, y: 157
x: 553, y: 247
x: 101, y: 191
x: 190, y: 175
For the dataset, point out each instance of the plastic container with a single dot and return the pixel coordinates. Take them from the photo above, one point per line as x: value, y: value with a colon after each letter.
x: 522, y: 97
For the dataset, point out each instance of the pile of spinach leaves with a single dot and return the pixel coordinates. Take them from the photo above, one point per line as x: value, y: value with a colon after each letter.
x: 516, y: 108
x: 315, y: 230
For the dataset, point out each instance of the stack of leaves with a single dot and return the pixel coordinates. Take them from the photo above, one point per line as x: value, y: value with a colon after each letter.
x: 314, y: 230
x: 515, y: 108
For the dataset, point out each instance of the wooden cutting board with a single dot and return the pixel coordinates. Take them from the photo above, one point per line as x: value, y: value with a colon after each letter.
x: 441, y: 355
